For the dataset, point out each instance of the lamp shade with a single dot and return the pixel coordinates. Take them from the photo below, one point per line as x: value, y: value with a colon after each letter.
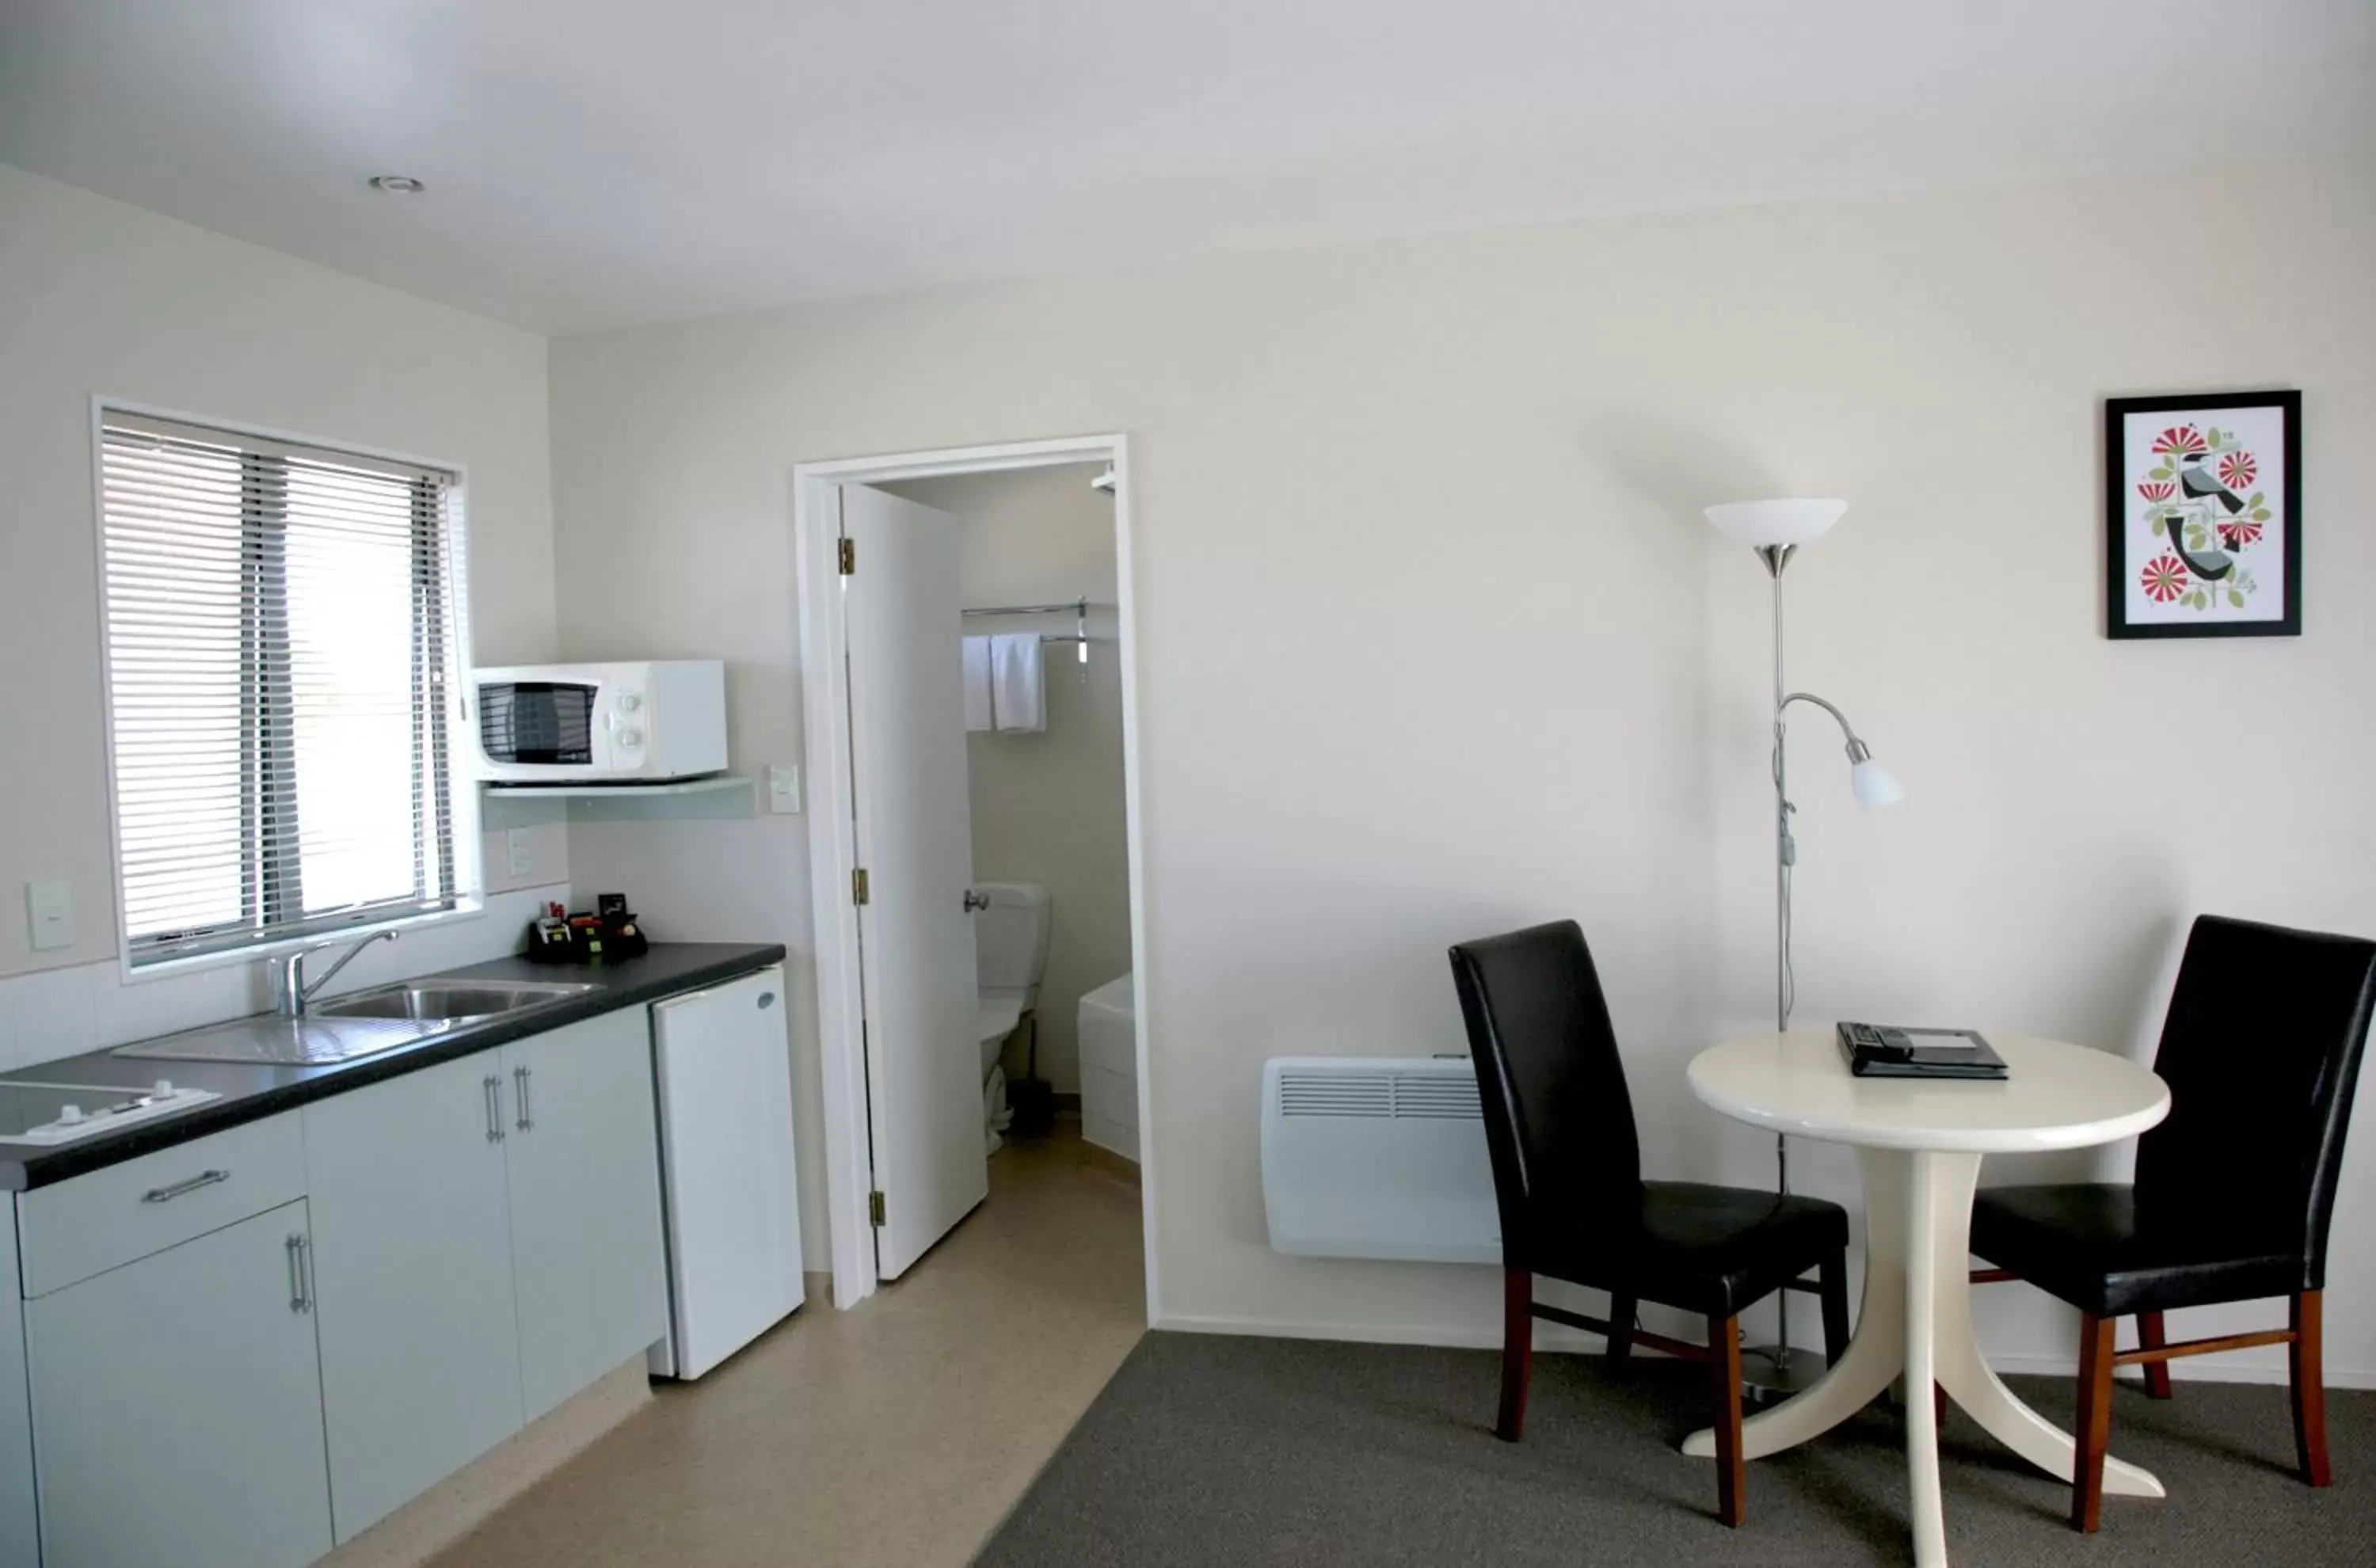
x: 1874, y: 785
x: 1762, y: 523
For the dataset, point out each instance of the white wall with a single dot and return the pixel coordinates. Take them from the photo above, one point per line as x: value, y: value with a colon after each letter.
x: 1048, y: 808
x: 99, y: 297
x: 1435, y: 642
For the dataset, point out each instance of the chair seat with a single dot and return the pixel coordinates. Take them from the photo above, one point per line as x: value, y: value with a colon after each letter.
x: 1705, y: 1249
x: 2091, y: 1244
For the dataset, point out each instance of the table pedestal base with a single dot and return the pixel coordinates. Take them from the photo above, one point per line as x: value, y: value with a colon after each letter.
x: 1916, y: 1321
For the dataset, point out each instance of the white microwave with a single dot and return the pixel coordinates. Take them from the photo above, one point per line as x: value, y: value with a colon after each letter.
x: 621, y: 723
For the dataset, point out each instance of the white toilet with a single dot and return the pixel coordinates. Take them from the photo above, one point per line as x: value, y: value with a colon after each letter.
x: 1010, y: 943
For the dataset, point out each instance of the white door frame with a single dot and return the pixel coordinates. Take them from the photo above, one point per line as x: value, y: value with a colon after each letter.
x: 825, y: 689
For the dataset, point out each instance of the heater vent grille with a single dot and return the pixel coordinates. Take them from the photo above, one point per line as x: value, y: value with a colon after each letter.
x: 1379, y: 1095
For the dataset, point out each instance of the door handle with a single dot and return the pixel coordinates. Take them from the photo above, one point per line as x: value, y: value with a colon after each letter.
x: 519, y: 1086
x: 301, y: 1273
x: 976, y: 901
x: 495, y: 1088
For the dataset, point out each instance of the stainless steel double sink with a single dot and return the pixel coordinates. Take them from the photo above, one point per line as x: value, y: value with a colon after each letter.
x: 361, y: 1024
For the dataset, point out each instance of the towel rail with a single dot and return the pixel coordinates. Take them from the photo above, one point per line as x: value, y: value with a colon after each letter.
x: 1077, y: 608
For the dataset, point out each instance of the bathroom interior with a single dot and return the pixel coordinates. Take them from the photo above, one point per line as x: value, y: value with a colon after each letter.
x: 1056, y: 1038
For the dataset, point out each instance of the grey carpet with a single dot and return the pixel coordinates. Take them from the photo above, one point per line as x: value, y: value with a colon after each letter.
x: 1222, y: 1450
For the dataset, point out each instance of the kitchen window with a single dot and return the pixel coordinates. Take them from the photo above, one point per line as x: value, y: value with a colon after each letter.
x: 282, y: 685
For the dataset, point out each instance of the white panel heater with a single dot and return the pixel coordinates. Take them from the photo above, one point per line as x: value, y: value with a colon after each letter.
x: 1377, y: 1157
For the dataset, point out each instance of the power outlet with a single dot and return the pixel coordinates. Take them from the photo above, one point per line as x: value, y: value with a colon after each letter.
x: 519, y: 851
x: 49, y: 910
x: 784, y: 788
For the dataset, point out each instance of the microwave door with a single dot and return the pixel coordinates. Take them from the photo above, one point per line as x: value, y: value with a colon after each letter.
x: 527, y: 724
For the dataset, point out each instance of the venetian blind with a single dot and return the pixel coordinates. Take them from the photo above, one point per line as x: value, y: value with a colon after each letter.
x: 280, y: 666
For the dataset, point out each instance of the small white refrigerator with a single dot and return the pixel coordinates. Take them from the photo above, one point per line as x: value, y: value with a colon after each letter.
x: 723, y: 1068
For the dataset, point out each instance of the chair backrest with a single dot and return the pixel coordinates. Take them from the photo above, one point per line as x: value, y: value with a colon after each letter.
x: 2261, y: 1049
x: 1558, y: 1120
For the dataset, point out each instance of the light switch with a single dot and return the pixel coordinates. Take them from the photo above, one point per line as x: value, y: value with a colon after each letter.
x: 49, y: 906
x: 520, y: 851
x: 784, y: 788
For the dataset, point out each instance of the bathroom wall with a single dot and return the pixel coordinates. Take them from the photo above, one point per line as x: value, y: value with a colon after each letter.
x: 1049, y: 808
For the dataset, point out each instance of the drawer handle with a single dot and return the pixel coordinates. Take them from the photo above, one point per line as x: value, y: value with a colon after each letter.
x: 191, y: 1185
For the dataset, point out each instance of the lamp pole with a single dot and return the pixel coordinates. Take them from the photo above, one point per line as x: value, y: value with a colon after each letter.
x: 1773, y: 1369
x: 1781, y: 1369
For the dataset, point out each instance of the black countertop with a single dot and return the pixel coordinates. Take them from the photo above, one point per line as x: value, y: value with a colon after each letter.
x: 253, y: 1090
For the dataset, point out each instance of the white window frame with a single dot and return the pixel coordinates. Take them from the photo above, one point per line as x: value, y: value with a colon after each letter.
x: 469, y: 867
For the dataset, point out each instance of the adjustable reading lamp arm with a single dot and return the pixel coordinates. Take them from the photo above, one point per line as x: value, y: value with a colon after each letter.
x: 1857, y: 750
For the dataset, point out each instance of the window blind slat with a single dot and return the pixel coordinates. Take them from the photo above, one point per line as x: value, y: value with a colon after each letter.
x: 280, y: 635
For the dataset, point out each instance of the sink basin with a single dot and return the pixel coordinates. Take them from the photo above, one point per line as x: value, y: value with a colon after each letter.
x: 363, y: 1024
x: 448, y: 1001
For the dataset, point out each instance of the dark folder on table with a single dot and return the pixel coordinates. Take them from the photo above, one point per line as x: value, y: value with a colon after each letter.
x: 1896, y: 1051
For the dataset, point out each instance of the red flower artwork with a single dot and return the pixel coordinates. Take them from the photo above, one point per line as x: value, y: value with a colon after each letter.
x: 2157, y: 490
x: 2180, y: 439
x: 2237, y: 468
x: 2165, y: 578
x: 2240, y: 532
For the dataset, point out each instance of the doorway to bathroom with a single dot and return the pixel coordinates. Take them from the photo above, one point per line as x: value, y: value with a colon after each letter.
x: 967, y: 653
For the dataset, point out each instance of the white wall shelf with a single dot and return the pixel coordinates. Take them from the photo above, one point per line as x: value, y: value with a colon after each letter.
x: 526, y: 805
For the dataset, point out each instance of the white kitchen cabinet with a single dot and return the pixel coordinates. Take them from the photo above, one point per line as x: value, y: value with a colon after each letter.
x: 178, y: 1407
x: 420, y: 1368
x: 19, y: 1546
x: 336, y: 1309
x: 588, y: 1261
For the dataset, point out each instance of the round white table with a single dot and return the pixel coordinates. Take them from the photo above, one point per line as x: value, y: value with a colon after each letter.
x: 1920, y: 1143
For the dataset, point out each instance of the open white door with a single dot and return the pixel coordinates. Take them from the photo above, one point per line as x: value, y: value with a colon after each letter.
x: 915, y: 842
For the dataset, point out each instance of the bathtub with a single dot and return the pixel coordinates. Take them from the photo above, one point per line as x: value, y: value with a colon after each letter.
x: 1108, y: 1019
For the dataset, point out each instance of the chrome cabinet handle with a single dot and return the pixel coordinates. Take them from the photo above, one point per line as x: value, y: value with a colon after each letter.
x: 495, y: 1088
x: 305, y: 1272
x: 296, y: 1274
x: 520, y: 1083
x: 191, y: 1185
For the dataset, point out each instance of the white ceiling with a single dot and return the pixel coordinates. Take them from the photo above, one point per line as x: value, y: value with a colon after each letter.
x: 593, y: 163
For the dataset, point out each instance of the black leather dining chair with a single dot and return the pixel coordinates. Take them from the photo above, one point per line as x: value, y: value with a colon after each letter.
x: 2234, y: 1190
x: 1567, y: 1174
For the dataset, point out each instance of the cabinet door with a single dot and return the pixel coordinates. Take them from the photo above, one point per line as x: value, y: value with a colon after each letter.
x: 177, y: 1408
x: 589, y: 1261
x: 413, y: 1266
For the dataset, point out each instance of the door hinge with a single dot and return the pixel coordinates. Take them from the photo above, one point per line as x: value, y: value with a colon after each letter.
x: 857, y: 885
x: 848, y: 557
x: 875, y: 1208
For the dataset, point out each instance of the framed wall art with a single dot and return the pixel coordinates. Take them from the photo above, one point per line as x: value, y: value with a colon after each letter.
x: 2203, y: 515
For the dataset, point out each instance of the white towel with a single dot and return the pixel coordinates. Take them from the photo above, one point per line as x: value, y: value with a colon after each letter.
x: 1018, y: 690
x: 977, y: 682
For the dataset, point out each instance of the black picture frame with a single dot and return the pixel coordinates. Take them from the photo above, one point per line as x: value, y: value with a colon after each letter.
x: 2125, y: 570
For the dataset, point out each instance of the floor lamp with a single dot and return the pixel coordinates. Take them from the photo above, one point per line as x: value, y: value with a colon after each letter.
x: 1775, y: 530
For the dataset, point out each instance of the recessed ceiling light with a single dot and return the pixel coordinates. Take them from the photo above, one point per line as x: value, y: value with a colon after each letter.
x: 397, y: 185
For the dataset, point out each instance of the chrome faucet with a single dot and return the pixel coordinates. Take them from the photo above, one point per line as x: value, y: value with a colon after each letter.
x: 293, y: 992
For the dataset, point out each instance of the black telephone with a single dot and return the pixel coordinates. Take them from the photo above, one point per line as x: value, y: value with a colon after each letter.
x: 1889, y: 1051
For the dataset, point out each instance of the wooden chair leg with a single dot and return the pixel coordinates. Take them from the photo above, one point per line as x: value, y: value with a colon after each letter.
x: 1833, y: 1279
x: 2151, y: 1336
x: 2306, y: 1361
x: 2093, y: 1433
x: 1518, y: 1350
x: 1732, y: 1479
x: 1621, y: 1329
